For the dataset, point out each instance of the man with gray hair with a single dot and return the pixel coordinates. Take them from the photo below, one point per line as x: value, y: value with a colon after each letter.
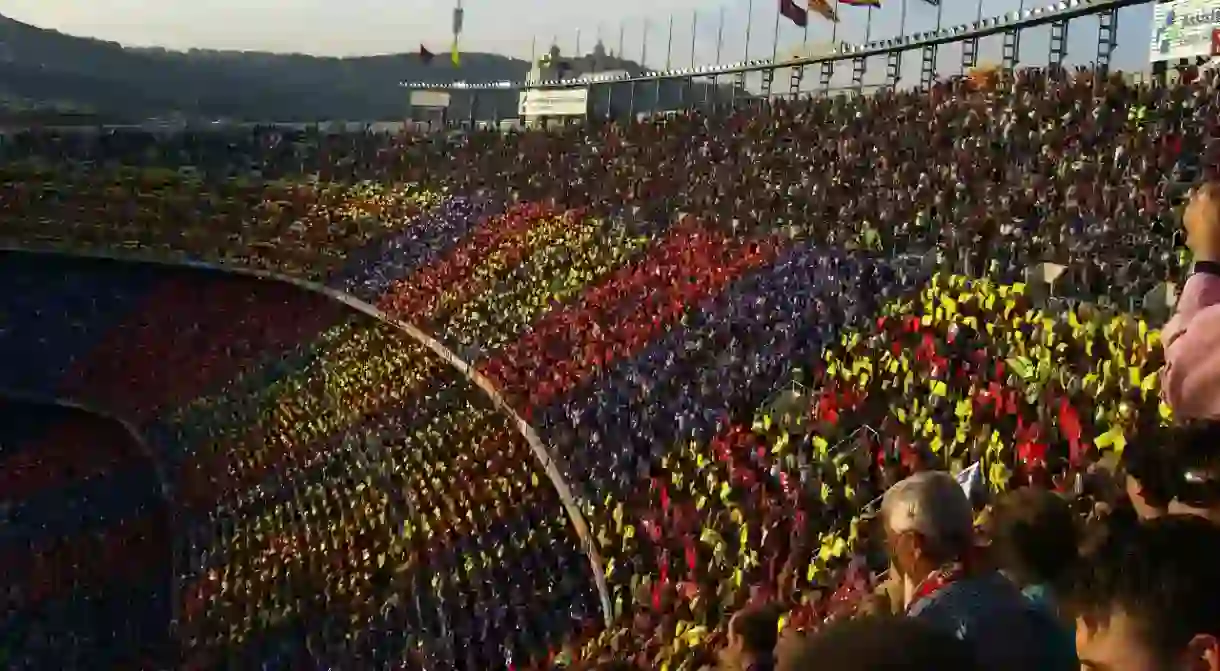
x: 929, y: 535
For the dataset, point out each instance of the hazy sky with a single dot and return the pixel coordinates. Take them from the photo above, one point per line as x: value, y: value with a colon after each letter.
x: 360, y: 27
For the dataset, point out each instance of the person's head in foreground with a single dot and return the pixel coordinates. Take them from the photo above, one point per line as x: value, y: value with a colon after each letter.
x: 1149, y: 600
x: 929, y: 524
x: 1033, y: 537
x: 753, y: 633
x: 1148, y: 480
x: 879, y: 644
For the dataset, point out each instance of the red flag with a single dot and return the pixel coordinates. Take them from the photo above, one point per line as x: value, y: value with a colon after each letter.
x: 1070, y: 427
x: 794, y: 13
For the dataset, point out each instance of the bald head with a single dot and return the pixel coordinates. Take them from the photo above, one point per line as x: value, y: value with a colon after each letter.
x: 933, y: 505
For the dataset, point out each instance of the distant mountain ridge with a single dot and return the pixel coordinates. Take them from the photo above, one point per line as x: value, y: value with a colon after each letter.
x: 136, y: 83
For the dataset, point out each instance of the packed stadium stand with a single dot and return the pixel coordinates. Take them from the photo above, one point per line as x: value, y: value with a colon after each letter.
x: 269, y: 433
x: 732, y: 331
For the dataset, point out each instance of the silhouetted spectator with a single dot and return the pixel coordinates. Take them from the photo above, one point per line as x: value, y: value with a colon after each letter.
x: 753, y: 634
x: 880, y: 644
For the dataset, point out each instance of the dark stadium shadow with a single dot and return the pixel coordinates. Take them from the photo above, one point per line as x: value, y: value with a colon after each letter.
x: 86, y: 550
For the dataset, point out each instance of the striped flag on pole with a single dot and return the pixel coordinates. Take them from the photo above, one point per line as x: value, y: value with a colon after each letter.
x: 823, y: 9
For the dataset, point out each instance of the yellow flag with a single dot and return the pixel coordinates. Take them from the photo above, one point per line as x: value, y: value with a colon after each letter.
x: 839, y: 548
x: 1114, y: 438
x: 825, y: 553
x: 821, y: 445
x: 454, y: 55
x: 998, y: 475
x: 1149, y: 382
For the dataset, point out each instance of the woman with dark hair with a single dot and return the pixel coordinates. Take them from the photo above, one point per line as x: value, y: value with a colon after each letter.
x: 1033, y: 538
x: 1034, y: 542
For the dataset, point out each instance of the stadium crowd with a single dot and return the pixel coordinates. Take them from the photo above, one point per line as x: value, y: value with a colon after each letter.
x: 753, y: 341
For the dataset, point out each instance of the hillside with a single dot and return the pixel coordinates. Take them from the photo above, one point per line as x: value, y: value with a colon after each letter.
x: 106, y: 78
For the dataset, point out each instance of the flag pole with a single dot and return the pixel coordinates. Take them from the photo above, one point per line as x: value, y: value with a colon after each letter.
x: 749, y: 24
x: 804, y: 54
x: 834, y: 27
x: 720, y: 36
x: 868, y: 25
x: 644, y: 46
x: 707, y: 93
x: 533, y: 58
x: 775, y: 38
x: 576, y: 54
x: 694, y: 30
x: 669, y: 42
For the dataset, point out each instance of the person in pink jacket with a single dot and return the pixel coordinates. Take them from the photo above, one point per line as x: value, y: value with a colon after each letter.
x: 1191, y: 381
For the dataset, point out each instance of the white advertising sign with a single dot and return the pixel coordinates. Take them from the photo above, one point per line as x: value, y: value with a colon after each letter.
x: 1183, y: 29
x: 429, y: 99
x: 553, y: 102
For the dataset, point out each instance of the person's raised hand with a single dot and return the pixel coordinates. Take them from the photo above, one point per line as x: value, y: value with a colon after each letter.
x: 1202, y: 222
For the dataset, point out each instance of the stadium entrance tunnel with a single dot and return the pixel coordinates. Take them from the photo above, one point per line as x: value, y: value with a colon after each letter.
x: 85, y: 541
x: 340, y: 489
